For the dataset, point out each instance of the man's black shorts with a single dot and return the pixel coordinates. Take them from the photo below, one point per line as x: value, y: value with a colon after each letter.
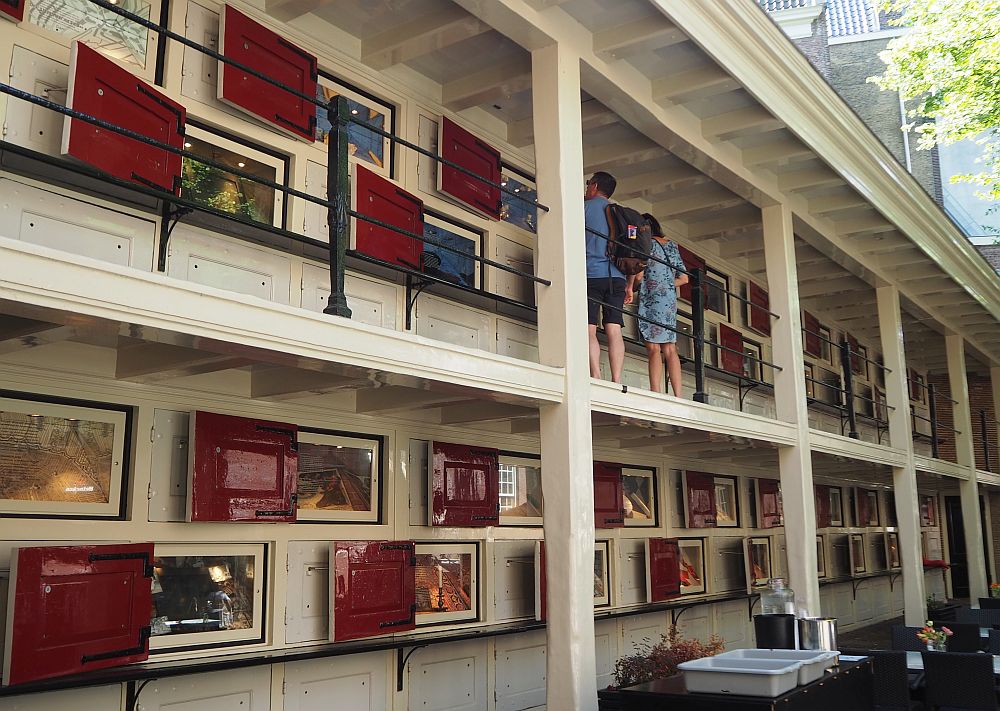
x: 608, y: 291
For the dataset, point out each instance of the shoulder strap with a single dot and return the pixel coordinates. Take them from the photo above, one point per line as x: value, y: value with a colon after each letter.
x: 609, y: 217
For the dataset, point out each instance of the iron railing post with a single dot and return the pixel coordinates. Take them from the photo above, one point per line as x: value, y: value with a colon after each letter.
x: 337, y: 189
x: 845, y: 365
x: 698, y: 328
x: 932, y: 404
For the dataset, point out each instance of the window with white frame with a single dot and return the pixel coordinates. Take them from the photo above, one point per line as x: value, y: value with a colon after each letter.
x: 508, y: 487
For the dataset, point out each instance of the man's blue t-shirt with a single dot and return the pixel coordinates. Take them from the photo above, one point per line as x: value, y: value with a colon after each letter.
x: 597, y: 260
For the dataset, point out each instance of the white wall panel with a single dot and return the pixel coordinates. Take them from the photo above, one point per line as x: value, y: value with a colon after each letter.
x: 314, y: 222
x: 517, y: 256
x: 97, y: 698
x: 307, y: 617
x: 169, y: 467
x: 28, y: 124
x: 448, y: 677
x: 371, y: 301
x: 517, y: 340
x: 246, y: 689
x: 514, y: 579
x: 732, y: 623
x: 643, y: 631
x: 631, y: 571
x: 844, y: 605
x: 864, y: 603
x: 520, y: 671
x: 696, y: 622
x: 454, y: 323
x: 51, y: 220
x: 356, y: 682
x: 606, y: 651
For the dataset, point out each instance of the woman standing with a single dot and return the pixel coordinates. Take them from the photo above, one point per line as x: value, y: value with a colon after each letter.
x: 658, y: 303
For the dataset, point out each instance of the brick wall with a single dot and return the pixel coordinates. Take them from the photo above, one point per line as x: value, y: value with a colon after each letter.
x: 980, y: 398
x: 993, y: 504
x: 816, y: 48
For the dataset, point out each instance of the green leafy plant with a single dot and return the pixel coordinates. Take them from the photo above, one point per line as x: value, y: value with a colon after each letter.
x: 199, y: 183
x: 660, y: 660
x: 933, y: 603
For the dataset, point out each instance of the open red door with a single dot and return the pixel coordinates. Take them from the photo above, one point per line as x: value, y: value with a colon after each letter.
x: 663, y: 573
x: 76, y: 609
x: 812, y: 344
x: 769, y: 503
x: 268, y: 53
x: 759, y: 309
x: 699, y: 499
x: 242, y: 469
x: 732, y: 340
x: 12, y: 9
x: 373, y: 588
x: 822, y: 506
x: 383, y: 200
x: 691, y: 262
x: 608, y: 511
x: 464, y: 485
x: 104, y: 90
x: 465, y: 149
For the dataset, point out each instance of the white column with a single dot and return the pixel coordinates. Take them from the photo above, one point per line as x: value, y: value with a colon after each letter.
x: 965, y: 453
x: 567, y: 456
x: 795, y: 462
x: 904, y: 479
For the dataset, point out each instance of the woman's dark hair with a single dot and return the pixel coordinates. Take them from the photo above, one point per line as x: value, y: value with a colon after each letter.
x: 654, y: 225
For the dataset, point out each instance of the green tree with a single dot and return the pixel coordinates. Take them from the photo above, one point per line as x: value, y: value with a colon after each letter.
x: 948, y: 64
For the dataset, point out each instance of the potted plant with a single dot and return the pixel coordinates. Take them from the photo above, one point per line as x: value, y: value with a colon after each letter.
x: 660, y: 660
x: 994, y: 589
x: 935, y: 639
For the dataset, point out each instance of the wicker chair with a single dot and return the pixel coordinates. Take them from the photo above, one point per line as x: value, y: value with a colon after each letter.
x: 891, y: 682
x: 959, y: 681
x: 994, y: 642
x: 905, y: 639
x: 989, y: 603
x: 965, y: 637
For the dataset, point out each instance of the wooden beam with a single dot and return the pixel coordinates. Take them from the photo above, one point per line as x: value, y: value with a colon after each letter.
x: 819, y: 287
x: 284, y: 383
x: 150, y: 362
x: 836, y: 203
x: 642, y: 35
x: 638, y: 149
x: 741, y: 122
x: 697, y: 201
x: 595, y: 115
x: 804, y: 179
x: 396, y: 398
x: 436, y: 30
x: 484, y: 411
x: 863, y: 225
x: 654, y: 180
x: 775, y: 151
x: 288, y: 10
x: 495, y: 83
x: 699, y: 83
x: 739, y: 216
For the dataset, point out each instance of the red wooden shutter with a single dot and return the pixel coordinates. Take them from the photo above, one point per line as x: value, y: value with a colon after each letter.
x: 383, y: 200
x: 812, y: 343
x: 465, y: 485
x: 12, y: 9
x: 700, y: 497
x: 102, y: 89
x: 465, y: 149
x: 691, y: 262
x: 608, y: 512
x: 731, y: 338
x: 373, y: 588
x: 253, y: 45
x: 663, y: 573
x: 759, y: 309
x: 769, y: 503
x: 541, y: 588
x: 914, y: 384
x: 861, y: 507
x: 852, y: 343
x: 822, y: 506
x: 77, y: 609
x: 243, y: 469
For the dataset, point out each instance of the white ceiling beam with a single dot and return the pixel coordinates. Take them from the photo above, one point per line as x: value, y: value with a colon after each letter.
x: 521, y: 133
x: 807, y: 178
x: 692, y: 84
x: 288, y: 10
x: 741, y: 122
x: 479, y: 411
x: 284, y: 383
x: 632, y: 150
x: 820, y: 287
x: 782, y: 149
x: 719, y: 198
x: 396, y: 398
x: 740, y: 216
x: 836, y: 203
x: 150, y: 362
x: 406, y: 42
x: 631, y: 38
x: 654, y: 180
x: 495, y: 83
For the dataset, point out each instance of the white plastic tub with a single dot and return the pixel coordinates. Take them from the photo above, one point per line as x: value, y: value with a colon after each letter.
x: 814, y: 663
x: 740, y: 677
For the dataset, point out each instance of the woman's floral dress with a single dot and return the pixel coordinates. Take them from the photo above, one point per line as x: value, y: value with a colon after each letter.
x: 658, y: 295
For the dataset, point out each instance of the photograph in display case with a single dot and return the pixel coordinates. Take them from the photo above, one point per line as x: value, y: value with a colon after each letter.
x: 877, y: 552
x: 62, y: 459
x: 364, y: 144
x: 639, y: 496
x: 726, y: 508
x: 873, y: 517
x: 836, y: 507
x: 692, y: 565
x: 858, y: 562
x: 758, y: 562
x: 892, y: 550
x: 520, y: 491
x: 447, y: 586
x: 339, y: 477
x: 767, y: 498
x: 928, y: 511
x: 602, y: 581
x: 207, y: 594
x: 820, y: 557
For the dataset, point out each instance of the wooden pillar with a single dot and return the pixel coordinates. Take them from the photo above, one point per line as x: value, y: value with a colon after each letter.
x: 567, y: 456
x: 904, y: 479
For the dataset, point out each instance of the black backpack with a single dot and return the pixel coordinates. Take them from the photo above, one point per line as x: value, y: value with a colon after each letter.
x: 630, y: 238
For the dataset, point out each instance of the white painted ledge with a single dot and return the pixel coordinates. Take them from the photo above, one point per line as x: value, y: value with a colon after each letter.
x: 939, y: 466
x: 838, y: 445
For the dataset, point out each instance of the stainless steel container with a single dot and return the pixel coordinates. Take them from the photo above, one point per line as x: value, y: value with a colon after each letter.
x: 818, y: 633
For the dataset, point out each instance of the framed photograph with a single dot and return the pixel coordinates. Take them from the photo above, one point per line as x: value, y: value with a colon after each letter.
x: 877, y: 553
x: 692, y: 565
x: 339, y: 477
x: 836, y: 507
x: 892, y: 550
x: 63, y: 458
x: 518, y: 212
x: 520, y: 491
x: 820, y: 557
x: 602, y: 575
x: 364, y: 144
x: 931, y: 541
x: 840, y: 555
x: 639, y: 496
x: 873, y: 514
x: 767, y: 497
x: 858, y: 563
x: 758, y: 562
x: 699, y: 500
x: 207, y: 595
x: 928, y: 511
x: 447, y: 586
x: 809, y: 374
x: 457, y: 267
x: 726, y: 506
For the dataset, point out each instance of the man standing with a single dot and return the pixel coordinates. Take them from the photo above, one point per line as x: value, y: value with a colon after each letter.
x: 605, y: 283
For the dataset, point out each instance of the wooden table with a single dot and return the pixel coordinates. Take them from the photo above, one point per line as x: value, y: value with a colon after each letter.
x: 848, y: 687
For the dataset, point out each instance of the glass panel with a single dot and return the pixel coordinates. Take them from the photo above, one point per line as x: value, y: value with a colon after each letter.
x: 601, y: 573
x: 111, y: 34
x: 685, y: 344
x: 692, y: 563
x: 525, y: 498
x: 825, y: 351
x: 364, y: 144
x: 760, y: 561
x: 521, y: 213
x: 725, y: 502
x: 335, y: 477
x: 446, y: 264
x: 717, y: 300
x: 638, y: 497
x: 198, y: 594
x: 445, y: 581
x: 225, y: 191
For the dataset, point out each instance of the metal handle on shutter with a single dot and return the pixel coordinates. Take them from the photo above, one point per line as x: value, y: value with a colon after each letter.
x: 290, y: 511
x: 292, y: 435
x: 140, y: 648
x: 147, y: 568
x: 397, y: 623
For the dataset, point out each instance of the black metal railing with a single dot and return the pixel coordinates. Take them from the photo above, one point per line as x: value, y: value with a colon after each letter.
x: 984, y: 437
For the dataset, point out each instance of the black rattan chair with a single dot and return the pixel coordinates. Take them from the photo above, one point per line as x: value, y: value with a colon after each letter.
x: 989, y: 603
x: 905, y: 639
x: 959, y: 681
x: 994, y: 647
x: 891, y: 682
x: 965, y: 637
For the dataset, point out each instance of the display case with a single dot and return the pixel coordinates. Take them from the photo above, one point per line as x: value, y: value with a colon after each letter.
x: 609, y: 502
x: 859, y: 559
x: 457, y: 264
x: 767, y: 496
x: 931, y: 543
x: 691, y: 561
x: 726, y: 502
x: 877, y: 557
x: 463, y: 485
x: 892, y: 550
x: 207, y: 595
x: 727, y: 568
x: 364, y: 144
x: 639, y: 496
x: 758, y: 562
x: 836, y: 507
x: 520, y: 491
x: 447, y: 582
x: 663, y: 580
x: 840, y: 556
x: 62, y: 458
x: 928, y: 510
x: 602, y: 574
x: 821, y: 557
x: 699, y: 499
x: 372, y: 588
x: 339, y: 477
